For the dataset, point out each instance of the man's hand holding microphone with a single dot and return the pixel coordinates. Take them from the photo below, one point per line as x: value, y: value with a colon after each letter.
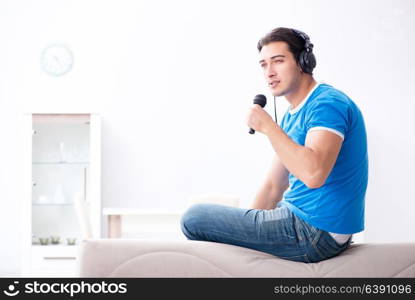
x: 258, y: 119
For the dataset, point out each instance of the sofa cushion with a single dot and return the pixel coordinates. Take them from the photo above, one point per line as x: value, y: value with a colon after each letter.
x: 141, y: 258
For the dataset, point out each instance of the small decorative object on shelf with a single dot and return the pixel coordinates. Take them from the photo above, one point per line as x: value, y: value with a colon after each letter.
x: 35, y: 240
x: 44, y: 241
x: 71, y: 241
x: 55, y: 239
x: 62, y: 152
x: 42, y: 199
x: 59, y: 196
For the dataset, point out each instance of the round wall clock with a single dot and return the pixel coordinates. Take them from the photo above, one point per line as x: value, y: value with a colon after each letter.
x: 57, y: 59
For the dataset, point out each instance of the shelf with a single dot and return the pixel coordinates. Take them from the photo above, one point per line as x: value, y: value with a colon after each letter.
x: 51, y: 203
x: 59, y: 246
x: 60, y: 163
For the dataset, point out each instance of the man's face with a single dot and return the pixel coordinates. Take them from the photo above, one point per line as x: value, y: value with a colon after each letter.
x: 280, y: 68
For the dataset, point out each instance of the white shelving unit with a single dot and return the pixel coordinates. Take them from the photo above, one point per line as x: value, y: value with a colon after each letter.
x: 62, y: 185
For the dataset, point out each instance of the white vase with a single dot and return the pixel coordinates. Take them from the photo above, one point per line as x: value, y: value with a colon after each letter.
x: 59, y: 196
x: 42, y: 199
x: 62, y: 152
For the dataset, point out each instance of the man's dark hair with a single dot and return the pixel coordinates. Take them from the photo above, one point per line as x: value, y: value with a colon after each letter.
x: 296, y: 43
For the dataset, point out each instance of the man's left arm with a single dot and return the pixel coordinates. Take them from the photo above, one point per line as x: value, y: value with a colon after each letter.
x: 311, y: 163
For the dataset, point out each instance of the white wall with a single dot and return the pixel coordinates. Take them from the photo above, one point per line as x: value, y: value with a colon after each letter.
x: 173, y: 80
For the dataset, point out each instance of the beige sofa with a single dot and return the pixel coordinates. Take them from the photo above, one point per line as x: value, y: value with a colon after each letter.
x: 140, y: 258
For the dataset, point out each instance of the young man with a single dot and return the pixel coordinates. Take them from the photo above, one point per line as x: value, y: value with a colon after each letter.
x: 320, y: 156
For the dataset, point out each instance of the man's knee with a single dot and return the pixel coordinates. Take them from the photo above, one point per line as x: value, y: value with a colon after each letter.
x: 192, y: 219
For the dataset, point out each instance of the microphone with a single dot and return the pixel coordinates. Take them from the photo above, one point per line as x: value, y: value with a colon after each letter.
x: 261, y: 100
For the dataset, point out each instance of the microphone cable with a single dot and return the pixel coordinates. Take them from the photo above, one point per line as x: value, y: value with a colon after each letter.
x: 275, y: 111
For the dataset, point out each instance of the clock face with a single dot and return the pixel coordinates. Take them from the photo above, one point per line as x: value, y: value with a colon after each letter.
x: 57, y: 60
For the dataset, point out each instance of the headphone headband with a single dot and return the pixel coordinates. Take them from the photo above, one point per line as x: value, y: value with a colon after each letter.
x: 308, y: 46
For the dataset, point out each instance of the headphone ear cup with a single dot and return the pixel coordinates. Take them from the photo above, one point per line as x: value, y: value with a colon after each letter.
x: 302, y: 60
x: 307, y: 61
x: 311, y: 61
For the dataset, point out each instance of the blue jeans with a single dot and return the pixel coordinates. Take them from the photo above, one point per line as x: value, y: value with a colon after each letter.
x: 278, y: 231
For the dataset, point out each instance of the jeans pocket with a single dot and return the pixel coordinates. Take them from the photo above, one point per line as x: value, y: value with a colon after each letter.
x: 278, y: 225
x: 282, y: 232
x: 305, y: 232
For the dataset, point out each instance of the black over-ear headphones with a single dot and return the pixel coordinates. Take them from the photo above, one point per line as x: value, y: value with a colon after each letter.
x: 307, y: 60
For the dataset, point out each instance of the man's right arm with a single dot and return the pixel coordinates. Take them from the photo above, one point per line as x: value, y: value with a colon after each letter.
x: 273, y: 188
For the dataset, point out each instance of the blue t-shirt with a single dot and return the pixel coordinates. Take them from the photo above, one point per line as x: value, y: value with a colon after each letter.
x: 338, y: 205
